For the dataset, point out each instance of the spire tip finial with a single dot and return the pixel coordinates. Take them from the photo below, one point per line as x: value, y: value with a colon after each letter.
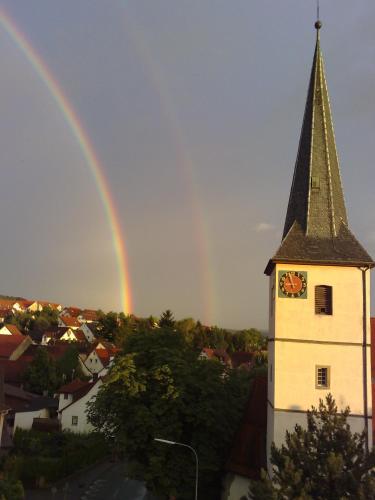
x: 318, y: 23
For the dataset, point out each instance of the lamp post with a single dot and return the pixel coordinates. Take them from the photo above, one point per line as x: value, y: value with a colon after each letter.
x: 166, y: 441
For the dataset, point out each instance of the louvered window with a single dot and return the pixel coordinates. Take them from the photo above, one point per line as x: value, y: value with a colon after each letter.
x: 323, y: 299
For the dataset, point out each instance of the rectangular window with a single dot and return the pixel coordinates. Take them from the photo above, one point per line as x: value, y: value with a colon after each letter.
x: 322, y: 377
x: 74, y: 420
x: 323, y: 299
x: 315, y: 182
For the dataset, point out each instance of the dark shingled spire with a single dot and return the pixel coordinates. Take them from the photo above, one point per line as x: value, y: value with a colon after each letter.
x: 316, y: 224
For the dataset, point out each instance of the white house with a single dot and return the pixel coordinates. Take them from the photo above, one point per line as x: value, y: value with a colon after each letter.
x: 40, y: 408
x: 73, y: 405
x: 68, y: 322
x: 89, y: 332
x: 10, y: 330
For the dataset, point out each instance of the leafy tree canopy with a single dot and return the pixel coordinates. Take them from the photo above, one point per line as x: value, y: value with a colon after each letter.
x: 158, y: 388
x: 41, y: 375
x: 325, y: 461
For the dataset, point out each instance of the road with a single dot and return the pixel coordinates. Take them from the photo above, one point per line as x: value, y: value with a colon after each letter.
x: 107, y: 481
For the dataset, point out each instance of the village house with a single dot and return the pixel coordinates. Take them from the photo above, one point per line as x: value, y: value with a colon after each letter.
x: 73, y: 399
x: 68, y: 322
x: 88, y: 316
x: 40, y: 410
x: 10, y: 330
x: 13, y: 346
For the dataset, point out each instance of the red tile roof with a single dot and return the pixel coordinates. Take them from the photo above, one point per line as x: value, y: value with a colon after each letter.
x: 9, y: 343
x: 89, y: 315
x: 77, y: 388
x: 73, y: 386
x: 73, y: 311
x: 70, y: 321
x: 14, y: 370
x: 241, y: 358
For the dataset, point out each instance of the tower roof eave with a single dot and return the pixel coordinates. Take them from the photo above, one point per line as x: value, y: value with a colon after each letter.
x: 342, y: 250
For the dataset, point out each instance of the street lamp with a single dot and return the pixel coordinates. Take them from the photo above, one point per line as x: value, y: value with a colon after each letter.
x: 166, y: 441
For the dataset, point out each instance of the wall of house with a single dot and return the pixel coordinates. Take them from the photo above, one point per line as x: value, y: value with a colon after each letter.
x: 93, y: 363
x: 24, y: 420
x: 64, y: 401
x: 78, y: 409
x: 235, y: 487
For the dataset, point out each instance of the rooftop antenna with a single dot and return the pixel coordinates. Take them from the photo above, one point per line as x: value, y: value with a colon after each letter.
x: 317, y: 10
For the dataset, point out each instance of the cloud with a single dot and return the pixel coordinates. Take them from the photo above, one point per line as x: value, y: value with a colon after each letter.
x: 263, y: 227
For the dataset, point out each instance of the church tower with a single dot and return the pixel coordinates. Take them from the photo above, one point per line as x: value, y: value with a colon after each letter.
x: 319, y: 317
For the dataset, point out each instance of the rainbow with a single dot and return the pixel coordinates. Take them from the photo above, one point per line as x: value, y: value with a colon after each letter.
x: 185, y: 162
x: 86, y: 148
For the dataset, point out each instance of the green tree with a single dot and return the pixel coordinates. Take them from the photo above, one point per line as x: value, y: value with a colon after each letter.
x: 108, y: 325
x: 11, y: 489
x: 167, y: 319
x: 248, y: 340
x: 158, y: 388
x: 68, y: 367
x: 325, y: 461
x: 41, y: 375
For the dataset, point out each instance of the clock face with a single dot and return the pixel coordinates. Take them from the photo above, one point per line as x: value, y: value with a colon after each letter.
x: 293, y: 284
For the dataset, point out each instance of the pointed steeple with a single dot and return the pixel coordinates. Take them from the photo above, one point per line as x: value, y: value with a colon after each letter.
x: 316, y: 224
x: 316, y: 199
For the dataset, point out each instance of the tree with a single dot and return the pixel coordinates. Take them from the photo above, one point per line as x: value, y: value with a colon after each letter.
x: 41, y: 374
x: 249, y: 341
x: 11, y: 489
x: 167, y: 319
x: 68, y: 367
x: 158, y: 388
x: 326, y: 461
x: 108, y: 325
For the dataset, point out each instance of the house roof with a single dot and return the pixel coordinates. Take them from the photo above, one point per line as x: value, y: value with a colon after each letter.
x: 240, y: 358
x: 13, y: 370
x: 9, y: 343
x: 316, y: 225
x: 73, y: 311
x: 80, y: 336
x: 89, y: 315
x: 103, y: 355
x: 17, y: 392
x: 70, y: 321
x: 80, y: 393
x: 42, y: 402
x: 4, y: 311
x: 75, y: 386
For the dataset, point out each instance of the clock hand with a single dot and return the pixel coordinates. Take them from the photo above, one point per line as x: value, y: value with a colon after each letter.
x: 291, y: 280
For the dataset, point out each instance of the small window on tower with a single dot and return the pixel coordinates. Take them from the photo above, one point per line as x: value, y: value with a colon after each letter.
x: 315, y: 182
x: 323, y: 299
x: 322, y: 377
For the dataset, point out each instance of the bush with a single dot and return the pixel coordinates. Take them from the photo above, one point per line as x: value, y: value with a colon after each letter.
x: 53, y: 456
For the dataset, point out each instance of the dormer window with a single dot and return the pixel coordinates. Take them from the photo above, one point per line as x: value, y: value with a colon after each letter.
x: 323, y: 299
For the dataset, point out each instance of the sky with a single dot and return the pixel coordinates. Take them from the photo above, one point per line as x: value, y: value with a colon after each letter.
x: 193, y: 110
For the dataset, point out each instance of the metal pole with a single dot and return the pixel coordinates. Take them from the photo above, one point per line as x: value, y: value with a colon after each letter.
x: 166, y: 441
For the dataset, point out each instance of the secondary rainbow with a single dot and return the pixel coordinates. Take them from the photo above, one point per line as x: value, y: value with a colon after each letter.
x: 86, y: 148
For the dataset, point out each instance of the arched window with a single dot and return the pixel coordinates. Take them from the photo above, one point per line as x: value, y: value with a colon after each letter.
x: 323, y: 299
